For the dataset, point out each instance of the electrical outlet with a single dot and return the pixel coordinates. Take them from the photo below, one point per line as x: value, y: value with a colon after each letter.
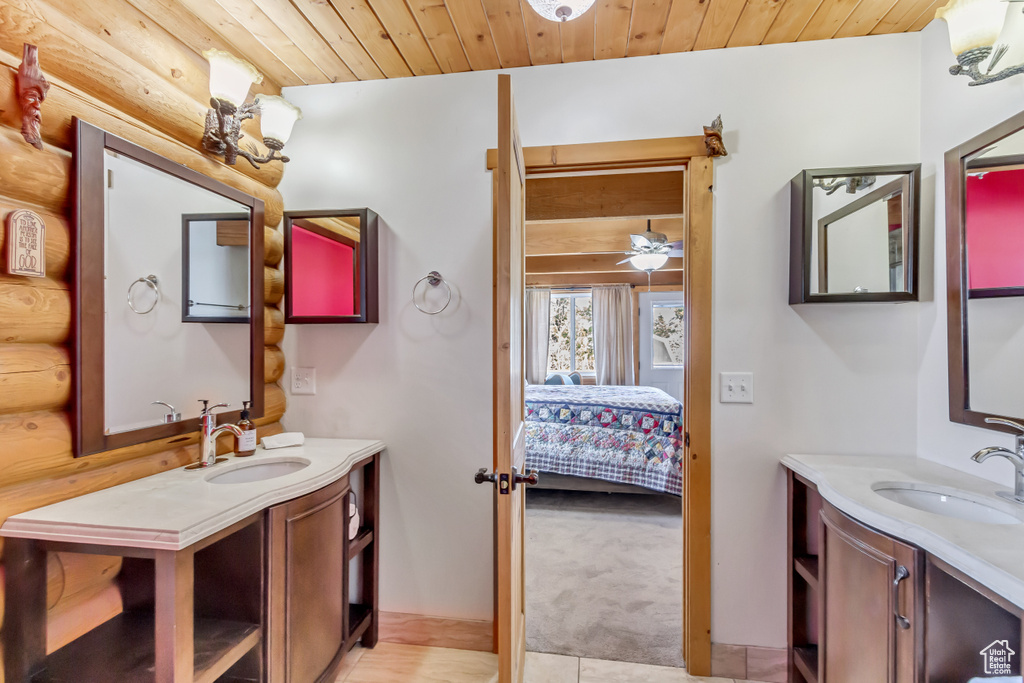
x: 737, y: 387
x: 303, y: 381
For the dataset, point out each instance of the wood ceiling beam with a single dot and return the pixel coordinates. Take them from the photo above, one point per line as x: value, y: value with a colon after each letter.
x: 608, y: 155
x: 627, y: 195
x: 588, y: 263
x: 581, y: 237
x: 638, y: 278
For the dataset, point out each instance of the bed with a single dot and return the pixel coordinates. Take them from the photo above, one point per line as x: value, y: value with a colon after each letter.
x: 623, y: 434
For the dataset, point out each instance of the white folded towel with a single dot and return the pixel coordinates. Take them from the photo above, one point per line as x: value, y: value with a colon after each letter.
x: 283, y: 440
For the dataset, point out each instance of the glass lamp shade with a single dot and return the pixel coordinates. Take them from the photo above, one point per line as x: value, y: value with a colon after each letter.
x: 560, y: 10
x: 277, y: 117
x: 230, y: 77
x: 972, y: 23
x: 648, y: 261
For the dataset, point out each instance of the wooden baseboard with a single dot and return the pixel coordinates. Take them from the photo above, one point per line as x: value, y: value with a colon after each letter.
x: 749, y: 662
x: 415, y: 629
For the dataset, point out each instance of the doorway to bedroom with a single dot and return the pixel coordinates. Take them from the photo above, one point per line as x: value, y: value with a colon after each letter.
x: 604, y: 354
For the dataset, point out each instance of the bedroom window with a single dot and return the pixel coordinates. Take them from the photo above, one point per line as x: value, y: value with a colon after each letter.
x: 667, y: 337
x: 572, y: 334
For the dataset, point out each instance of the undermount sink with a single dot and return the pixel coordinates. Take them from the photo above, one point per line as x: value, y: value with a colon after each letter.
x: 258, y: 471
x: 949, y: 502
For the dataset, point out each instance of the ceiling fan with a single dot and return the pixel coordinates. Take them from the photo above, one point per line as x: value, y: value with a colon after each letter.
x: 651, y: 251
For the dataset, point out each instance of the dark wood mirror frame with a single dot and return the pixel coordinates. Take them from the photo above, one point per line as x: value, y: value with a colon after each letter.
x: 88, y: 281
x: 186, y: 267
x: 956, y: 163
x: 801, y: 261
x: 367, y: 268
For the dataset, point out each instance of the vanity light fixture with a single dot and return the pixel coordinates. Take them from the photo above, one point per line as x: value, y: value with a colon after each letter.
x: 561, y: 10
x: 230, y: 80
x: 974, y: 29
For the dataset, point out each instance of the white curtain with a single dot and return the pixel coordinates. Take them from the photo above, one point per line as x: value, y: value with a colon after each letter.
x: 538, y: 334
x: 613, y: 334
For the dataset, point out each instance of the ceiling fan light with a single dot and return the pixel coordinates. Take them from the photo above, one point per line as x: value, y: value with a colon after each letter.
x: 648, y: 262
x: 561, y: 10
x: 972, y: 23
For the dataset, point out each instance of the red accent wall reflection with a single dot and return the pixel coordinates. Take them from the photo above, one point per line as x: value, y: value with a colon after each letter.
x: 323, y: 281
x: 994, y: 213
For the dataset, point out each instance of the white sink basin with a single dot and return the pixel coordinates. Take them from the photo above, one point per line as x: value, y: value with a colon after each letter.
x: 950, y: 502
x: 257, y: 471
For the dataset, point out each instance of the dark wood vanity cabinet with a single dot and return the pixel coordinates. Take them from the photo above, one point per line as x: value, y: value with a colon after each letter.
x: 313, y: 621
x: 871, y: 611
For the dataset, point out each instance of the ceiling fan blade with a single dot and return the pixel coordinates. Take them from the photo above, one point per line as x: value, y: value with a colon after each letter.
x: 625, y: 260
x: 678, y: 244
x: 640, y: 242
x: 675, y: 253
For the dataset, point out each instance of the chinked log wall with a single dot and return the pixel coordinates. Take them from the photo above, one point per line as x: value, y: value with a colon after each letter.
x: 113, y: 66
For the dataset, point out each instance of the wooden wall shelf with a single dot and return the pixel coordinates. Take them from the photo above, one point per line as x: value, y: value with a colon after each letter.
x: 362, y: 539
x: 805, y: 659
x: 807, y: 567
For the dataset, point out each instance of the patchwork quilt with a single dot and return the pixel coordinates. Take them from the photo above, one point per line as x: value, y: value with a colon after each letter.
x: 630, y: 435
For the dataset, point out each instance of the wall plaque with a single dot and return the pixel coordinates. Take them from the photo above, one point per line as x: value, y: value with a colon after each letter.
x: 26, y: 240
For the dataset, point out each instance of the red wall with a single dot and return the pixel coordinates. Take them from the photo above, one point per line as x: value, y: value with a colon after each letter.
x: 323, y: 281
x: 994, y: 210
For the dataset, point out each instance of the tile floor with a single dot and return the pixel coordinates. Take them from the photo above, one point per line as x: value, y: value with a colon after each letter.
x: 394, y: 663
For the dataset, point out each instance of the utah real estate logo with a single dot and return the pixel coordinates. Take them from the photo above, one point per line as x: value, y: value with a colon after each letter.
x: 997, y: 656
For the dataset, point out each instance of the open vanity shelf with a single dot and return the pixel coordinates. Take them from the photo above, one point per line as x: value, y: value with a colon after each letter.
x: 281, y: 595
x: 804, y: 547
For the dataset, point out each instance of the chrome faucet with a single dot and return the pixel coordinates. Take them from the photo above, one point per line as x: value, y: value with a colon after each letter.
x: 208, y: 431
x: 1016, y: 457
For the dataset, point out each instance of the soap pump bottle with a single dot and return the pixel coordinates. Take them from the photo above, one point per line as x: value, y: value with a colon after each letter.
x: 246, y: 443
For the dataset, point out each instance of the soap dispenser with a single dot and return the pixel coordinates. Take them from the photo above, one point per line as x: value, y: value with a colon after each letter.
x: 246, y: 443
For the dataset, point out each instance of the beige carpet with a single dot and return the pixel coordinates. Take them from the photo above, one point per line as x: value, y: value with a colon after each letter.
x: 604, y: 576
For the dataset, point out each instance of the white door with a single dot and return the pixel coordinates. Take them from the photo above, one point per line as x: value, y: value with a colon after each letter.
x: 661, y: 342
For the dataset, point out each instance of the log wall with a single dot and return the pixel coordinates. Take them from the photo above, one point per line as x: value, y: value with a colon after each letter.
x: 111, y: 65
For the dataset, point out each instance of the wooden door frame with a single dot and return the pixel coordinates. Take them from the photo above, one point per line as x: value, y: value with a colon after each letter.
x: 696, y: 153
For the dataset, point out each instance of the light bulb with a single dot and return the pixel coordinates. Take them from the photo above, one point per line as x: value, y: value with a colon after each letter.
x: 277, y: 116
x: 648, y: 262
x: 230, y: 77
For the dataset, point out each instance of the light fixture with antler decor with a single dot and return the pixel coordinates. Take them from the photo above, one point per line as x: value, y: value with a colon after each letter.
x: 980, y: 35
x: 230, y: 80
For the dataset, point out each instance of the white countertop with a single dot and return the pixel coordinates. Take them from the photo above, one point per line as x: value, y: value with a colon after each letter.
x: 991, y: 554
x: 174, y: 509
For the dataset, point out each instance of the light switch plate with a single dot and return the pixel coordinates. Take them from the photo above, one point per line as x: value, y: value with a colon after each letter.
x: 303, y: 381
x: 737, y: 387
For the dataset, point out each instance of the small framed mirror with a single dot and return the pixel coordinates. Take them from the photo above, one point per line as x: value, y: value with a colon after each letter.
x: 215, y: 268
x: 330, y: 266
x: 985, y: 275
x: 854, y: 234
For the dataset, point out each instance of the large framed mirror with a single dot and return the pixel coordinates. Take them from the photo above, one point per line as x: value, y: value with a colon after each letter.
x: 330, y: 271
x: 142, y: 364
x: 985, y: 275
x: 854, y: 234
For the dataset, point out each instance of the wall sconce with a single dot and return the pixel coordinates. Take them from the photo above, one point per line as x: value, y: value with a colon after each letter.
x: 974, y: 27
x: 230, y: 80
x: 560, y: 10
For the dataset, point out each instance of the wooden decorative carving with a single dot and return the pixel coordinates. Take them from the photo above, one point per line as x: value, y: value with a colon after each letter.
x: 26, y: 244
x: 713, y: 138
x: 32, y: 88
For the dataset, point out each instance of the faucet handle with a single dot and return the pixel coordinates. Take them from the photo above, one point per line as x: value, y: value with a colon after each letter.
x: 207, y: 409
x: 172, y: 414
x: 1006, y: 423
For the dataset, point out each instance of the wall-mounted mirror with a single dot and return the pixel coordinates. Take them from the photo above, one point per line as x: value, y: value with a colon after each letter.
x: 143, y: 245
x: 330, y: 266
x: 215, y: 268
x: 985, y: 275
x: 854, y: 233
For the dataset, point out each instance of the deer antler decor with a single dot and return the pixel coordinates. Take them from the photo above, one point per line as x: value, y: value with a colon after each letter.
x: 32, y: 88
x: 713, y: 138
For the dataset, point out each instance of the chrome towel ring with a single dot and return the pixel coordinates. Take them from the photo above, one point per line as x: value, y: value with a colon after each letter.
x: 433, y: 279
x: 151, y: 282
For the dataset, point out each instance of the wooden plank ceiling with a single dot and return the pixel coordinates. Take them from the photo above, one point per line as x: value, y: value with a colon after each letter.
x: 296, y: 42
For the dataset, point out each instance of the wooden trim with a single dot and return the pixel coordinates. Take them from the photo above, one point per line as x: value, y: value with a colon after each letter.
x: 697, y: 419
x: 88, y: 324
x: 415, y: 629
x: 619, y: 195
x: 365, y: 269
x: 660, y: 278
x: 608, y: 155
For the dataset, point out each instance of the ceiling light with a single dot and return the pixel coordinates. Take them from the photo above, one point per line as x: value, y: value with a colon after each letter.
x: 230, y: 80
x: 648, y: 262
x: 974, y: 29
x: 560, y: 10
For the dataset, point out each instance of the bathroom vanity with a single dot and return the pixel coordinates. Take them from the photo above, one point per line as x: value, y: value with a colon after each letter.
x: 239, y: 572
x: 901, y: 571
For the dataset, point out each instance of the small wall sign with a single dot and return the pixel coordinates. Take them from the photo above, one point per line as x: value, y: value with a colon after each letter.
x: 26, y: 244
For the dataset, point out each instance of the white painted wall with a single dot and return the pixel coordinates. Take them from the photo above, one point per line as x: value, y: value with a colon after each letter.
x: 830, y: 378
x: 952, y: 112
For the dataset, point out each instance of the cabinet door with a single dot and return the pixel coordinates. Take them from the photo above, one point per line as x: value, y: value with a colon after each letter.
x: 307, y: 584
x: 871, y: 611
